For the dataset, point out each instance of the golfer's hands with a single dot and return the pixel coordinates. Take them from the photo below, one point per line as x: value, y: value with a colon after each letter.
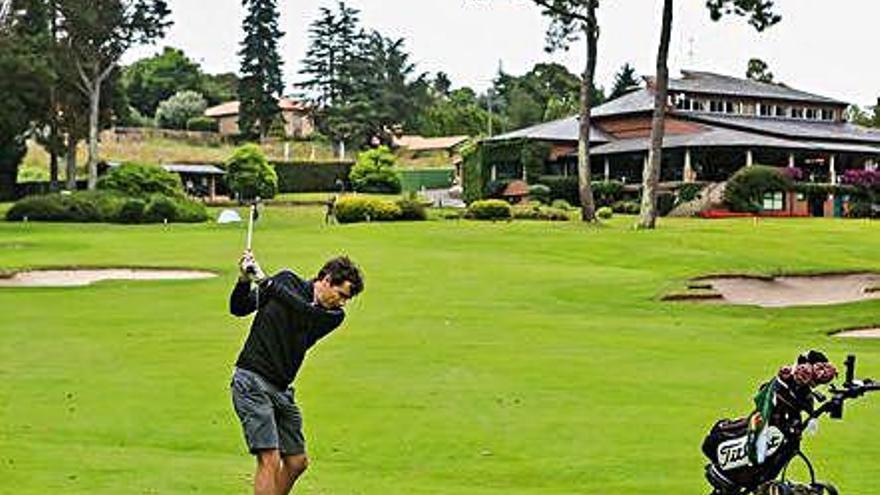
x: 248, y: 268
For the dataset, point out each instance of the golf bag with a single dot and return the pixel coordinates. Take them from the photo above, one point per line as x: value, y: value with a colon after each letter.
x: 750, y: 454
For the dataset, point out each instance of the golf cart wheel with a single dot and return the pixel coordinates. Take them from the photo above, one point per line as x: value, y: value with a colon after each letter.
x: 820, y: 488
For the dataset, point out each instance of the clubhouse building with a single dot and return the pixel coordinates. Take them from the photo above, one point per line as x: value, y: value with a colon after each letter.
x: 715, y: 125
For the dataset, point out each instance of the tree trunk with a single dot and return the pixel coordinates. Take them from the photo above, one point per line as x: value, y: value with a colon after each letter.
x: 651, y: 174
x: 53, y: 170
x: 94, y: 114
x: 588, y: 206
x: 71, y: 163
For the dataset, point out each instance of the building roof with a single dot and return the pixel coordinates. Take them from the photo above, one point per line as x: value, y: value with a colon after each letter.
x: 556, y: 130
x: 419, y: 143
x: 194, y: 169
x: 792, y: 128
x: 719, y: 84
x: 714, y: 136
x: 641, y: 100
x: 231, y: 107
x: 710, y: 137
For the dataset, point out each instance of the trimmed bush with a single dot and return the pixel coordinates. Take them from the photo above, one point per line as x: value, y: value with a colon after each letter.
x: 352, y: 209
x: 141, y: 181
x: 540, y: 192
x: 539, y: 212
x: 489, y: 209
x: 162, y: 208
x: 249, y: 174
x: 604, y: 213
x: 81, y: 206
x: 202, y: 124
x: 565, y: 188
x: 605, y: 193
x: 132, y: 211
x: 374, y: 172
x: 745, y: 190
x: 411, y: 209
x: 562, y: 205
x: 626, y: 207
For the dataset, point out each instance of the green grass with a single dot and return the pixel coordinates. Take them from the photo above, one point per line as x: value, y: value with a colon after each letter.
x: 483, y: 358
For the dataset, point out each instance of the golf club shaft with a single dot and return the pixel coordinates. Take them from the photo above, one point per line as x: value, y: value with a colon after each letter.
x: 250, y: 232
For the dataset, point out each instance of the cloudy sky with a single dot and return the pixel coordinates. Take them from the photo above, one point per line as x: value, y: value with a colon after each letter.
x: 820, y: 46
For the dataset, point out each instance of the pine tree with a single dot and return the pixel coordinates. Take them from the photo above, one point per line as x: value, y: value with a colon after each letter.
x: 624, y: 80
x: 334, y: 42
x: 261, y: 84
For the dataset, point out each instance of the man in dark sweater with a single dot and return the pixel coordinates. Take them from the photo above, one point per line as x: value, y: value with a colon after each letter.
x: 292, y: 315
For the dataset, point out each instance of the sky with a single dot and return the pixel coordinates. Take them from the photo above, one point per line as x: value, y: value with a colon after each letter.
x: 816, y: 48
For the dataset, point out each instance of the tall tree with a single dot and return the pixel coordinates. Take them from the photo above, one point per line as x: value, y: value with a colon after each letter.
x: 569, y: 20
x: 758, y: 70
x: 261, y: 84
x: 335, y: 39
x: 761, y: 16
x: 152, y: 80
x: 96, y: 33
x: 25, y: 78
x: 624, y: 81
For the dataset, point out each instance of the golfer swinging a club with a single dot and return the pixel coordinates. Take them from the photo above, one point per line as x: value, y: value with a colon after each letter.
x: 292, y: 315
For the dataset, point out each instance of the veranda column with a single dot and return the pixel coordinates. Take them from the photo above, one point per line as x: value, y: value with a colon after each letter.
x: 750, y: 158
x: 494, y: 174
x: 688, y: 173
x: 607, y: 169
x: 832, y: 169
x: 791, y: 160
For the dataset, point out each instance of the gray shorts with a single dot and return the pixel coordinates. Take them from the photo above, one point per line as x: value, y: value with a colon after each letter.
x: 269, y: 416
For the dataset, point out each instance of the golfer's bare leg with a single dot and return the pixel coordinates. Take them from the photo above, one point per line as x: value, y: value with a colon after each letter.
x: 268, y: 472
x: 292, y: 467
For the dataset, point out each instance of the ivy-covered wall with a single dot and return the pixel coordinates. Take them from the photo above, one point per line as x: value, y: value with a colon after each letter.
x: 530, y: 155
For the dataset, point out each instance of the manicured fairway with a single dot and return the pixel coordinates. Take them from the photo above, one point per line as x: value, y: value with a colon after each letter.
x: 508, y: 358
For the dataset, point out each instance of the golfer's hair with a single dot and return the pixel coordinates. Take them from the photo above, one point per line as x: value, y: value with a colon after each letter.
x: 339, y: 270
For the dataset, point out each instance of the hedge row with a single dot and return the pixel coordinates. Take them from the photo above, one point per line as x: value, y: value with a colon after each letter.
x: 106, y: 206
x: 312, y: 176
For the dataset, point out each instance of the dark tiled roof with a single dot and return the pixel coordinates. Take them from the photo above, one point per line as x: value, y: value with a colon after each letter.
x: 641, y: 100
x: 791, y: 128
x: 710, y: 83
x: 714, y: 137
x: 556, y: 130
x: 711, y: 137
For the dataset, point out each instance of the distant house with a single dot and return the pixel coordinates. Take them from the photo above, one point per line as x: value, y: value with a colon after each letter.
x: 716, y: 124
x: 297, y: 119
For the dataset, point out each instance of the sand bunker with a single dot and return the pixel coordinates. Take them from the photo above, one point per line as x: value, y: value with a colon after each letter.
x: 74, y: 278
x: 808, y: 290
x: 860, y: 333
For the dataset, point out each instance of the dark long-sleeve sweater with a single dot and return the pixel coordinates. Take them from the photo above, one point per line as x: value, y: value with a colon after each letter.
x: 287, y: 324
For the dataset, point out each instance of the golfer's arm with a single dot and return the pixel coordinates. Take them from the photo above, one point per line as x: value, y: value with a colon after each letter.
x: 243, y: 300
x: 284, y: 292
